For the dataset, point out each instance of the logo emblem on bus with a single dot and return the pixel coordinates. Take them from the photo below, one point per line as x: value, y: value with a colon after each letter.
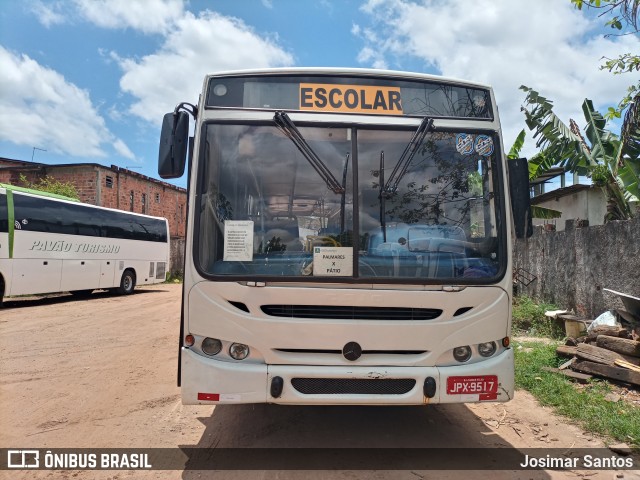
x: 464, y: 144
x: 352, y: 351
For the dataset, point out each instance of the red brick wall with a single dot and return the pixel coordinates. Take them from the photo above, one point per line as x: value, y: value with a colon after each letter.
x: 171, y: 201
x: 84, y: 178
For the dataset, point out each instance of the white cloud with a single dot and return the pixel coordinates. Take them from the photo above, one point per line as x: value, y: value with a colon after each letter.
x: 546, y: 45
x: 197, y: 45
x: 122, y: 149
x: 51, y: 13
x: 267, y: 4
x: 147, y: 16
x: 45, y: 110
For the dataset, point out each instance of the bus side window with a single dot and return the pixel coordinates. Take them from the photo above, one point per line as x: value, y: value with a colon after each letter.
x: 4, y: 216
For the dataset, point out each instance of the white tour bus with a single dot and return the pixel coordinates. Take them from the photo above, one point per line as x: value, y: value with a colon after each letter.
x: 349, y: 239
x: 50, y: 243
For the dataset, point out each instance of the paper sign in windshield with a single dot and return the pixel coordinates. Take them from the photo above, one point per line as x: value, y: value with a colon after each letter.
x: 238, y: 241
x: 333, y: 261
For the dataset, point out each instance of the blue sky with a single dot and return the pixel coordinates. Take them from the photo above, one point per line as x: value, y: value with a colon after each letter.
x: 89, y: 80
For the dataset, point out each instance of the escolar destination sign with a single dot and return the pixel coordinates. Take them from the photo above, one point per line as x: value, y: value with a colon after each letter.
x: 320, y: 97
x: 381, y: 95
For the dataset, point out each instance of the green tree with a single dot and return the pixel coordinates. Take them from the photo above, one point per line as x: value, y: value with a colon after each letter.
x: 51, y: 185
x: 612, y: 161
x: 625, y: 16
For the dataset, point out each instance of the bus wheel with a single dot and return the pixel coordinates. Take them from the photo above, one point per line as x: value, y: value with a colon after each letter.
x: 128, y: 282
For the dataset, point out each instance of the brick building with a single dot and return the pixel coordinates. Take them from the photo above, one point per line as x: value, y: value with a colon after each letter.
x: 113, y: 187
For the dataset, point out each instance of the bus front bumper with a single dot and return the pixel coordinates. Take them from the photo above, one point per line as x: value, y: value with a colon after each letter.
x: 208, y: 381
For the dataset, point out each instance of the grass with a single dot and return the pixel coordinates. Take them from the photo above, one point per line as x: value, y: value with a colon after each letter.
x: 528, y: 318
x: 585, y: 405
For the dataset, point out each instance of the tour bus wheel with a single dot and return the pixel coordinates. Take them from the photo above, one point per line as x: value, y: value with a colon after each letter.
x: 127, y: 283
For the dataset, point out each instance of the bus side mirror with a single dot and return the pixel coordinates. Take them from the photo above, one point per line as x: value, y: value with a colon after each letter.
x: 172, y: 154
x: 520, y: 200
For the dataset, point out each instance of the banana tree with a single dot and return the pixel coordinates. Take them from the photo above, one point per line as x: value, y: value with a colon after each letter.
x: 612, y: 161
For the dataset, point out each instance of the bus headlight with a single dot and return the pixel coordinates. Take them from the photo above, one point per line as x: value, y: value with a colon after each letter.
x: 211, y: 346
x: 487, y: 349
x: 238, y: 351
x: 462, y: 354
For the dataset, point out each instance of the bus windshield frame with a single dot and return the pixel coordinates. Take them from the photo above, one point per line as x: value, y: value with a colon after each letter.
x: 286, y: 231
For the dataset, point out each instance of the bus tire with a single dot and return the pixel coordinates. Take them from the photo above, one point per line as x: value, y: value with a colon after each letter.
x: 127, y: 283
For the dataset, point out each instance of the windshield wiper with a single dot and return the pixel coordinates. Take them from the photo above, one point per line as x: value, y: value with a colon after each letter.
x: 405, y: 159
x: 383, y: 196
x: 284, y: 123
x: 343, y: 199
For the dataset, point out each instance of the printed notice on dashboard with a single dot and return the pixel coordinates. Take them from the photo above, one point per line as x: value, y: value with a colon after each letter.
x: 333, y: 261
x: 238, y: 241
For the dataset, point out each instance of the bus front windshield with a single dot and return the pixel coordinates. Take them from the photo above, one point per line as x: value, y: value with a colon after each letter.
x: 369, y: 204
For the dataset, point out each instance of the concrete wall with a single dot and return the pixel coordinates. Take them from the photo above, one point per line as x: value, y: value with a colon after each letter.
x: 573, y: 266
x: 177, y: 257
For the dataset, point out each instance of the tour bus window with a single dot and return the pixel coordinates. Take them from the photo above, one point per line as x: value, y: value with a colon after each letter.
x: 4, y: 214
x: 45, y: 215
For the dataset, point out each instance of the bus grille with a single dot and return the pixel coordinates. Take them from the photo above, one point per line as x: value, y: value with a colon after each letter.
x: 351, y: 312
x: 358, y: 386
x: 324, y: 351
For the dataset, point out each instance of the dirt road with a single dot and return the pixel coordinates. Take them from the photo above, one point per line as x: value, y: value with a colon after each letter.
x: 101, y: 373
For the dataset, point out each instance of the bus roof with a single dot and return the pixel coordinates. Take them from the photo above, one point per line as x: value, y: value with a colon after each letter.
x: 38, y: 192
x: 369, y: 72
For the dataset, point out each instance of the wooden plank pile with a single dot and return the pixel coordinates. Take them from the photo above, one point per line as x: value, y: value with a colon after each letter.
x: 608, y: 352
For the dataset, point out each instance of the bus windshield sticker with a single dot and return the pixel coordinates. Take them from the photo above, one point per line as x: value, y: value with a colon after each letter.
x: 464, y: 144
x: 483, y: 145
x: 333, y: 261
x: 350, y: 98
x: 238, y: 241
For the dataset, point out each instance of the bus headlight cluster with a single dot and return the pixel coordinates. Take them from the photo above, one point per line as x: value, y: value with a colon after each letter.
x: 238, y: 351
x: 487, y: 349
x: 462, y: 354
x: 211, y: 346
x: 215, y: 347
x: 480, y: 351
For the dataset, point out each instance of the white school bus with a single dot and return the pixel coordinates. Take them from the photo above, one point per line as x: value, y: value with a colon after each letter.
x: 349, y: 239
x: 51, y: 244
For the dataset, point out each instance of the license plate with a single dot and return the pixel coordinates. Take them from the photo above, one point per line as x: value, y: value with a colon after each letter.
x: 479, y: 384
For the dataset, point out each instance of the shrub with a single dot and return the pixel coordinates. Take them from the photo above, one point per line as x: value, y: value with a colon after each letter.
x: 528, y: 318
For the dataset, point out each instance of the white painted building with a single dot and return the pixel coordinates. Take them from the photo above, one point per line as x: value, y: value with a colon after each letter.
x: 576, y: 202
